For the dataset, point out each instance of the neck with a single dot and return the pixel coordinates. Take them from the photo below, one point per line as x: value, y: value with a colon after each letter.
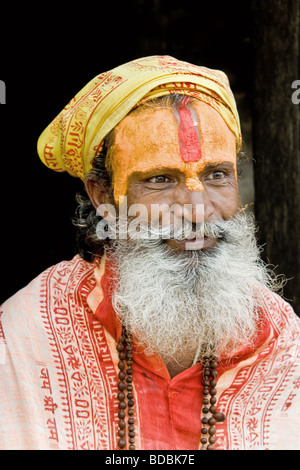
x: 180, y: 363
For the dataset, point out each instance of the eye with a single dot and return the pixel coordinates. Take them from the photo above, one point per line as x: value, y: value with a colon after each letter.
x: 216, y: 175
x: 159, y: 179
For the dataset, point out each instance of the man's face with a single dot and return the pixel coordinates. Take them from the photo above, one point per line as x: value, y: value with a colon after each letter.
x: 186, y: 158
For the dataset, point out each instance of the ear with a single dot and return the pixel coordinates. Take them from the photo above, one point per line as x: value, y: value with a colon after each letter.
x: 97, y: 194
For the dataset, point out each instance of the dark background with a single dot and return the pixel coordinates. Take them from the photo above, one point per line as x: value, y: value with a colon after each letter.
x: 48, y: 55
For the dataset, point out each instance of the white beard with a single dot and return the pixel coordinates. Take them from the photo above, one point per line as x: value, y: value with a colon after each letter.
x: 193, y: 303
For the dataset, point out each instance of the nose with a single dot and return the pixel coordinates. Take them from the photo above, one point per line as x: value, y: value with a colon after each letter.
x: 193, y: 206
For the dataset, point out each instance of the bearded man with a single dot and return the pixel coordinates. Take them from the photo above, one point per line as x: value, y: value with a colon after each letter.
x: 157, y: 335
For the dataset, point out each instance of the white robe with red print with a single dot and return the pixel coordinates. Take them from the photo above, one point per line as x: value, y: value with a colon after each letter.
x: 59, y: 375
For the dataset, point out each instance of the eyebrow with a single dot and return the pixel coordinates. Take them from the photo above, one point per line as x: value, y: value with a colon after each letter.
x: 163, y: 170
x: 211, y: 165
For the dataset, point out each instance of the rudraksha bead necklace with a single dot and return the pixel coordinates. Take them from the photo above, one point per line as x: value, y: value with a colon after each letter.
x: 210, y: 414
x: 209, y: 410
x: 125, y: 385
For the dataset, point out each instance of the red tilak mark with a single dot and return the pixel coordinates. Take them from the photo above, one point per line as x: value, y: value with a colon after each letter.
x: 189, y: 144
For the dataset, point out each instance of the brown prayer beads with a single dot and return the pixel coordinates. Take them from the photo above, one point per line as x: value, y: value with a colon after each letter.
x: 124, y: 348
x: 208, y: 430
x: 209, y: 410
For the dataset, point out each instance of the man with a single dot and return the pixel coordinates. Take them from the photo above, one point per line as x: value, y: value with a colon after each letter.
x: 166, y: 331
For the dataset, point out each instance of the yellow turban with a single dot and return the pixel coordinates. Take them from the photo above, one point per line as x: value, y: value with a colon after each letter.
x: 75, y: 137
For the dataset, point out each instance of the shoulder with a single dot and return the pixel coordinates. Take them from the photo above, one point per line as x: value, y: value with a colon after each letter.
x: 59, y: 280
x: 280, y: 312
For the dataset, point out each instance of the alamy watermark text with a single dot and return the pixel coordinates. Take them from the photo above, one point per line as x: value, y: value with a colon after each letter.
x: 296, y: 93
x: 2, y: 92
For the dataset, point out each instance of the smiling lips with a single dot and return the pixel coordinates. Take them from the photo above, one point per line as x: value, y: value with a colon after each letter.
x: 201, y: 243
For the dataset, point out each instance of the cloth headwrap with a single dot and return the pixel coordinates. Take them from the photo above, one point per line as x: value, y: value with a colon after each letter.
x: 75, y: 137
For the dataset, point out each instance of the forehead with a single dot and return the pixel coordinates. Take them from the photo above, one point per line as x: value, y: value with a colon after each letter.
x: 149, y: 129
x: 185, y: 140
x: 154, y: 134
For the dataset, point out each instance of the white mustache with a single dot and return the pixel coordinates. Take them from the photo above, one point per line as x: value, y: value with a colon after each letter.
x: 187, y: 231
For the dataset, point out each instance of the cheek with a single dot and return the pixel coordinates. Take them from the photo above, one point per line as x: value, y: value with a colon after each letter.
x: 154, y: 205
x: 226, y: 203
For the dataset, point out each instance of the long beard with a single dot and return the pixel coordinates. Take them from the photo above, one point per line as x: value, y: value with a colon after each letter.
x: 193, y: 302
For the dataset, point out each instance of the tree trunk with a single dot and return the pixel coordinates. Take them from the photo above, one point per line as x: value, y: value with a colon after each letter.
x: 276, y: 143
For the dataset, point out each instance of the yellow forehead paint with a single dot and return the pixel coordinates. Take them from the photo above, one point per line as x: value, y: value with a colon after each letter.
x: 160, y: 139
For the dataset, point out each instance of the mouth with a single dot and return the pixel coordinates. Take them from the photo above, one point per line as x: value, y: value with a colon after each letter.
x: 195, y: 243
